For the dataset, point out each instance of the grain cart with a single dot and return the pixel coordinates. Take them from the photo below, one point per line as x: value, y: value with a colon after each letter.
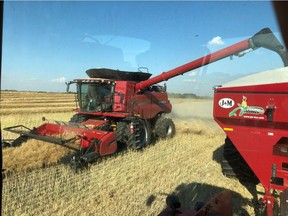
x: 118, y: 108
x: 255, y: 120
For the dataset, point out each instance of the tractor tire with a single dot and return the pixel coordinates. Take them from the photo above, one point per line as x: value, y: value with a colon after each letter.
x: 164, y: 128
x: 78, y: 118
x: 234, y: 165
x: 141, y: 135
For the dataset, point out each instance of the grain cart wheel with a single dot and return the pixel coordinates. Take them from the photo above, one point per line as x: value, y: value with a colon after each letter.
x: 164, y: 128
x: 138, y: 136
x: 234, y: 165
x: 78, y: 118
x: 231, y: 159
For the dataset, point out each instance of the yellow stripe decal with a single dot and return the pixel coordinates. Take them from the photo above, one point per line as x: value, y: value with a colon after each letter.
x: 228, y: 129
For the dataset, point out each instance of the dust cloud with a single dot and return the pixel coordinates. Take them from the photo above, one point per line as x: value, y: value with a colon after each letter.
x: 192, y: 109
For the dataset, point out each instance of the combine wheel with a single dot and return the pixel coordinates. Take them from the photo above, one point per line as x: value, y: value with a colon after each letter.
x: 79, y: 118
x: 164, y: 128
x: 140, y: 135
x: 234, y: 165
x: 120, y: 131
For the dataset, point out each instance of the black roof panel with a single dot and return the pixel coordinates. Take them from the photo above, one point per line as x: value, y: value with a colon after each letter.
x: 106, y: 73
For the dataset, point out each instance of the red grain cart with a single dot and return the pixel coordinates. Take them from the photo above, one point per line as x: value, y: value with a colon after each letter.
x: 255, y: 119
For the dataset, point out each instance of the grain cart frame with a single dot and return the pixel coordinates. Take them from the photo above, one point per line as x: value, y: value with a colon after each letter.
x: 131, y: 109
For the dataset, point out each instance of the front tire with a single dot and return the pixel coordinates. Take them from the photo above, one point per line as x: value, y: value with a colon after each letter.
x: 120, y: 131
x: 139, y: 136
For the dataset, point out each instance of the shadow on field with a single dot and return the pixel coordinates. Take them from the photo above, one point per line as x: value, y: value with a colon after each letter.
x: 218, y: 154
x: 190, y: 194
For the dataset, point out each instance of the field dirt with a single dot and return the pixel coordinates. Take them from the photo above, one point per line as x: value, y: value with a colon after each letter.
x: 130, y: 182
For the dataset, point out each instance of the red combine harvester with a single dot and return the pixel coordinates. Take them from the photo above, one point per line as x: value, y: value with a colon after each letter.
x: 126, y: 108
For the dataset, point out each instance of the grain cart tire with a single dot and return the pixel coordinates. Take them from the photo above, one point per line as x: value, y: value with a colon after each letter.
x: 227, y: 169
x: 78, y: 118
x: 234, y: 165
x: 141, y: 135
x: 164, y: 128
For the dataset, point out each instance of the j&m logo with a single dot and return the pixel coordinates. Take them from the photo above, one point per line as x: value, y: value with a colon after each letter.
x: 226, y: 103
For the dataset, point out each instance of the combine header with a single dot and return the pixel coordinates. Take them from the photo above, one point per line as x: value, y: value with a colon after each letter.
x: 118, y: 108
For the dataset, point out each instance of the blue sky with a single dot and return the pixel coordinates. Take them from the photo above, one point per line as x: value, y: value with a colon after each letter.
x: 48, y: 43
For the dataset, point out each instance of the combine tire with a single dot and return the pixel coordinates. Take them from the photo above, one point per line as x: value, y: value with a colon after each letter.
x: 164, y: 128
x: 79, y: 118
x: 141, y: 135
x: 120, y: 131
x: 234, y: 165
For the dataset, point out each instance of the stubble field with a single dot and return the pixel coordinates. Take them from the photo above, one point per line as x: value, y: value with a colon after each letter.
x: 128, y: 183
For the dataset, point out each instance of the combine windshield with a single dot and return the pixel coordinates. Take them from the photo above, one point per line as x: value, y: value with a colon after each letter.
x: 95, y: 97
